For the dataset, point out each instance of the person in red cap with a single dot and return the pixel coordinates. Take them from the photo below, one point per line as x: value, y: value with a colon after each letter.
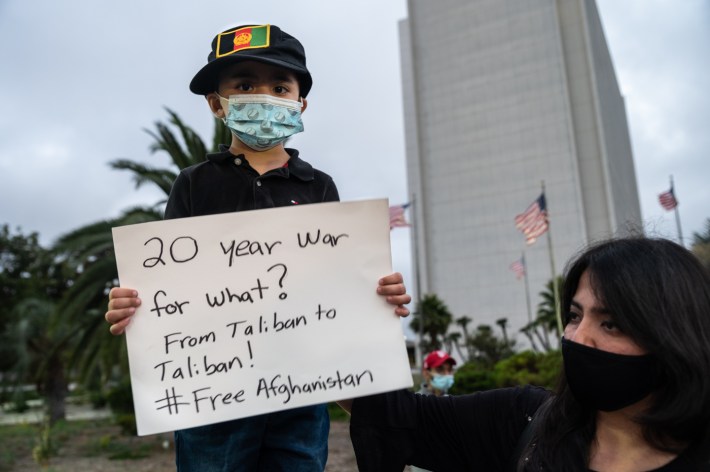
x: 256, y: 81
x: 437, y: 373
x: 437, y: 379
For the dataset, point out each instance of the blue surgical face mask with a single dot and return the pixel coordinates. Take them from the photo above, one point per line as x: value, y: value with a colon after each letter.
x: 262, y: 121
x: 442, y: 382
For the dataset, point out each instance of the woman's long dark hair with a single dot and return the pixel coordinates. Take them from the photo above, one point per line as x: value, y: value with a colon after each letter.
x: 658, y: 294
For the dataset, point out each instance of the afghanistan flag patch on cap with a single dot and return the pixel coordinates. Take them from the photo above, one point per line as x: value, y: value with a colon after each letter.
x: 250, y: 37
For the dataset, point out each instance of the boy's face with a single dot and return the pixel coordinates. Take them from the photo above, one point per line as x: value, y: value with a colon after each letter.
x: 253, y: 77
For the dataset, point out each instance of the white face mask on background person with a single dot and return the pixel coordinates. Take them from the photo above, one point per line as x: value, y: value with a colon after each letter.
x: 442, y: 382
x: 262, y: 121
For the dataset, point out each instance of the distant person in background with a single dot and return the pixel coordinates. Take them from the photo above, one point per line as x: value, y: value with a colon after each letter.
x: 437, y: 373
x: 437, y: 379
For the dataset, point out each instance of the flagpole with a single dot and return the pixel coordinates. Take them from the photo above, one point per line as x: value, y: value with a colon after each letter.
x: 555, y: 288
x: 677, y: 215
x: 527, y: 287
x: 419, y: 348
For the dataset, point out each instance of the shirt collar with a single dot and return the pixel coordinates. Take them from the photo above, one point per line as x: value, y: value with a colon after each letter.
x: 296, y: 166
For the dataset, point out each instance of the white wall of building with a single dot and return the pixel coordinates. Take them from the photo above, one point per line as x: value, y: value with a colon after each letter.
x: 501, y: 95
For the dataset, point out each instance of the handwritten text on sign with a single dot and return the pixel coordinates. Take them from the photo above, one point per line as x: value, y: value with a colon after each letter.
x: 253, y: 312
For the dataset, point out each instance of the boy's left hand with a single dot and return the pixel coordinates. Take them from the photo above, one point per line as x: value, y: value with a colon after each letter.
x: 392, y: 288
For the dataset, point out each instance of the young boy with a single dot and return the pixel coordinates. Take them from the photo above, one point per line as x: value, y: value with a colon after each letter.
x: 256, y: 80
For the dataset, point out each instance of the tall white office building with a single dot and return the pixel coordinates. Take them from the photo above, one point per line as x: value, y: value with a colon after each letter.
x: 499, y: 96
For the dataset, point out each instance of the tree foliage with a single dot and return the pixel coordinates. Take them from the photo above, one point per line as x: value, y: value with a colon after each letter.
x: 481, y: 345
x: 52, y: 301
x: 487, y: 347
x: 90, y: 248
x: 490, y: 359
x: 524, y: 368
x: 184, y: 150
x: 540, y: 330
x: 701, y: 245
x: 437, y: 319
x: 34, y: 339
x: 18, y: 264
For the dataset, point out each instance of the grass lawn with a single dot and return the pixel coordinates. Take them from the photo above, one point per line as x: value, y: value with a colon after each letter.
x: 98, y: 445
x: 80, y: 442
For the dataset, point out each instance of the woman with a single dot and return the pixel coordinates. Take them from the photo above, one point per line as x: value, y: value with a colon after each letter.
x: 634, y: 395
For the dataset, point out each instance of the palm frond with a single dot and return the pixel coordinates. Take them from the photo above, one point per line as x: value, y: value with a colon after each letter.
x: 96, y: 348
x: 90, y: 289
x: 95, y: 239
x: 142, y: 174
x: 166, y: 141
x: 138, y: 215
x: 28, y: 335
x: 196, y: 149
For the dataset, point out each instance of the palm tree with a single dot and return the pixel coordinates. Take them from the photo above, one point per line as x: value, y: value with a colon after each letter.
x: 40, y: 346
x: 463, y: 323
x: 487, y: 347
x: 503, y: 324
x: 546, y: 319
x: 52, y: 317
x: 703, y: 238
x: 701, y: 245
x: 22, y: 275
x: 89, y: 249
x: 194, y: 152
x: 34, y: 345
x: 437, y: 319
x: 453, y: 341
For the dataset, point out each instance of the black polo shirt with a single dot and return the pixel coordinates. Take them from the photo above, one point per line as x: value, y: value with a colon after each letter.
x: 225, y: 183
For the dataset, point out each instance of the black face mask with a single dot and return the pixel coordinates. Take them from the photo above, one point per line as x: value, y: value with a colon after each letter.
x: 606, y: 381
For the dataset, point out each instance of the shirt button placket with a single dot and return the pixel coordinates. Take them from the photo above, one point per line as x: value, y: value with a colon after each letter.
x: 261, y: 195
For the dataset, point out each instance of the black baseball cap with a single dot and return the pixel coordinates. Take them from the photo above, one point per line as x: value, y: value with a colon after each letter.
x: 263, y: 43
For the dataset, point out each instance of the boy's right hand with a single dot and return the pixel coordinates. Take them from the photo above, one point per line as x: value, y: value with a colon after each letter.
x: 122, y: 303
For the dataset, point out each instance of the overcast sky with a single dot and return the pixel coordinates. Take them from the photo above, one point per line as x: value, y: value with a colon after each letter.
x: 80, y: 80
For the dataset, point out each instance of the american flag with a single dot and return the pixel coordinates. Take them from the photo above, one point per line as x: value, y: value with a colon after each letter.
x: 533, y: 221
x: 397, y: 218
x: 519, y: 268
x: 668, y: 200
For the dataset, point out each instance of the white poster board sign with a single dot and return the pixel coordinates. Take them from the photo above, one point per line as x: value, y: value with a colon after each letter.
x: 259, y: 311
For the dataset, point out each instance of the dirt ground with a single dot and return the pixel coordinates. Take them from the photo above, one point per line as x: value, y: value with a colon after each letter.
x: 75, y: 454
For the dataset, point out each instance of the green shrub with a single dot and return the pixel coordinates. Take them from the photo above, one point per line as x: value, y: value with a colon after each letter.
x: 471, y: 377
x: 127, y: 422
x: 19, y: 402
x: 528, y: 367
x: 97, y: 399
x: 45, y: 447
x: 524, y: 368
x: 16, y: 441
x: 336, y: 413
x: 120, y: 400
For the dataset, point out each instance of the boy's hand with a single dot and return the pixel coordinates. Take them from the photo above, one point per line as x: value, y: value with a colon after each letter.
x: 393, y: 289
x: 122, y: 303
